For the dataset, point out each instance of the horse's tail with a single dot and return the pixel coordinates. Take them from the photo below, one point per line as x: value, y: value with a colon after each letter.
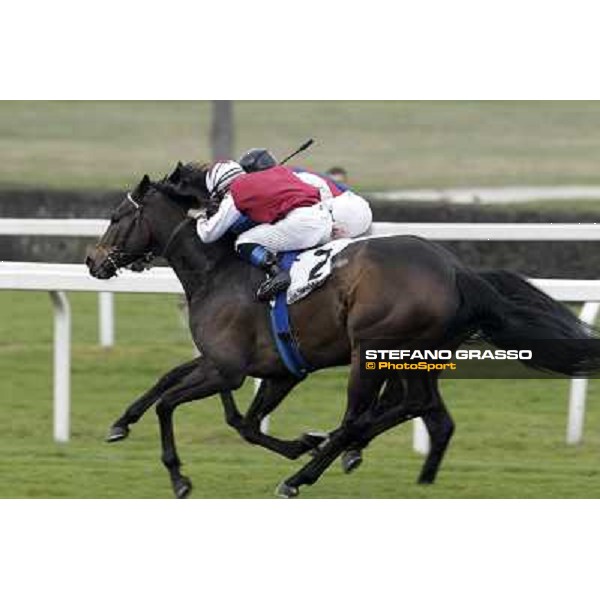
x: 511, y: 313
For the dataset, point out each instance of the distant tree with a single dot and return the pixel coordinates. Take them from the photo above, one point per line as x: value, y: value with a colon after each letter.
x: 221, y: 133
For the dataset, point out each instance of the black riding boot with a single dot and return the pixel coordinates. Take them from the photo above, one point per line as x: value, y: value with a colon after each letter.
x: 277, y: 280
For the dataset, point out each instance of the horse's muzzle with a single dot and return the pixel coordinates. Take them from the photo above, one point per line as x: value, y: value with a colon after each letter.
x: 101, y: 265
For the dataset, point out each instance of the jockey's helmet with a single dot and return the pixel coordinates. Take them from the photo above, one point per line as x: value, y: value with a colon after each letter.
x: 257, y: 159
x: 220, y: 176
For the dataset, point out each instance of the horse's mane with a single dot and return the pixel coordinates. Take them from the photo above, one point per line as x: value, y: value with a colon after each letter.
x: 186, y: 184
x: 192, y: 173
x: 164, y: 187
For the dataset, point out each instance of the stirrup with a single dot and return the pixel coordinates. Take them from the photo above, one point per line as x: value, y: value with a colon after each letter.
x: 271, y: 287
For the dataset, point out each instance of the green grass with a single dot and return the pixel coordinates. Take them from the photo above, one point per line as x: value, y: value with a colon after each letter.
x: 509, y: 441
x: 383, y: 144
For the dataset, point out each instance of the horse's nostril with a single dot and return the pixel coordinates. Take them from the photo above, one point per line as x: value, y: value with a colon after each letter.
x: 88, y: 261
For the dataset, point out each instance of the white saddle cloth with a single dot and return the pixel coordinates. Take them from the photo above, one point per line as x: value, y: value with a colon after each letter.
x: 312, y: 268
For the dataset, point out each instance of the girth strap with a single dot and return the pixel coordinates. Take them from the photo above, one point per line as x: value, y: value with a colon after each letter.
x: 287, y: 346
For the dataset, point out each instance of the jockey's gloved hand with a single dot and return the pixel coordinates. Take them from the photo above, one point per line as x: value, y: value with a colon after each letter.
x: 196, y: 213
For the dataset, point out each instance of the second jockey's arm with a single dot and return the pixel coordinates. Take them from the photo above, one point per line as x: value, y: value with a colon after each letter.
x: 318, y: 182
x: 210, y: 230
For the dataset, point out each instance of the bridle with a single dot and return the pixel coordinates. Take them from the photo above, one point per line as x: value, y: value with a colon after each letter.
x: 137, y: 205
x: 175, y: 234
x: 118, y: 258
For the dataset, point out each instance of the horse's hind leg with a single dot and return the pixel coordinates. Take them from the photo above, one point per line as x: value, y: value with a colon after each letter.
x: 401, y: 401
x: 120, y: 428
x: 268, y: 397
x: 361, y: 393
x: 392, y: 395
x: 440, y: 427
x: 416, y: 396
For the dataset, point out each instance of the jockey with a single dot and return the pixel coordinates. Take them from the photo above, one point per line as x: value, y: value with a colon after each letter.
x: 351, y: 214
x: 338, y: 174
x: 283, y: 212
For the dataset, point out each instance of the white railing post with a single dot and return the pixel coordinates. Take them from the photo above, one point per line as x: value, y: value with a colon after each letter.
x: 578, y: 388
x: 62, y: 365
x: 106, y: 319
x: 420, y: 437
x: 576, y: 416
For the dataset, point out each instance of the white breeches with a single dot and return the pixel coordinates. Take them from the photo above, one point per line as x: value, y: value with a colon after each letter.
x: 301, y: 228
x: 351, y: 214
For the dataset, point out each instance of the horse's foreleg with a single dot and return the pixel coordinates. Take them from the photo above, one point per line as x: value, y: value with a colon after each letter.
x: 233, y: 417
x: 268, y: 397
x: 120, y: 428
x: 205, y: 380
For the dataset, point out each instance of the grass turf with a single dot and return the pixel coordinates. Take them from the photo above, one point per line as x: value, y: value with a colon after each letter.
x: 509, y: 441
x: 384, y: 145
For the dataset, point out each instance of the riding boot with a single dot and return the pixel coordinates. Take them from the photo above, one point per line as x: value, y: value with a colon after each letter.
x: 277, y: 280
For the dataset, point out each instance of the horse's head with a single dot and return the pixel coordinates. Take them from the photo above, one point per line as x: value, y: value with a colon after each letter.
x: 141, y: 227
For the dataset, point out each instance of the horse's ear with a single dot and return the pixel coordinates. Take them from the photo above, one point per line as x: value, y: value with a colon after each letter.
x: 175, y: 176
x: 144, y: 184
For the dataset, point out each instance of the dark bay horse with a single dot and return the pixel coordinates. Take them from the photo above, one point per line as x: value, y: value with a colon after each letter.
x: 403, y: 289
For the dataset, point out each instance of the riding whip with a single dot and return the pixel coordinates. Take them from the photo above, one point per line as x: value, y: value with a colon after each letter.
x: 302, y: 148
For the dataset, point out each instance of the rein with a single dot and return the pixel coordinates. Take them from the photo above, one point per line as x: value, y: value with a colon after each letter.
x: 175, y: 234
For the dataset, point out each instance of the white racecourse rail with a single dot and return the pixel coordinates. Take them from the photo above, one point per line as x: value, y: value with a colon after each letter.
x: 435, y: 231
x: 58, y: 279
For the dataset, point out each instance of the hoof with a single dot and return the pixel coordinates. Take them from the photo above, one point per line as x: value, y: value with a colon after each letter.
x: 425, y: 481
x: 351, y: 460
x: 182, y: 488
x: 286, y: 491
x: 117, y: 433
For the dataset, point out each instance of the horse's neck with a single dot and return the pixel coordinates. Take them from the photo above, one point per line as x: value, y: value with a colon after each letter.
x: 197, y: 265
